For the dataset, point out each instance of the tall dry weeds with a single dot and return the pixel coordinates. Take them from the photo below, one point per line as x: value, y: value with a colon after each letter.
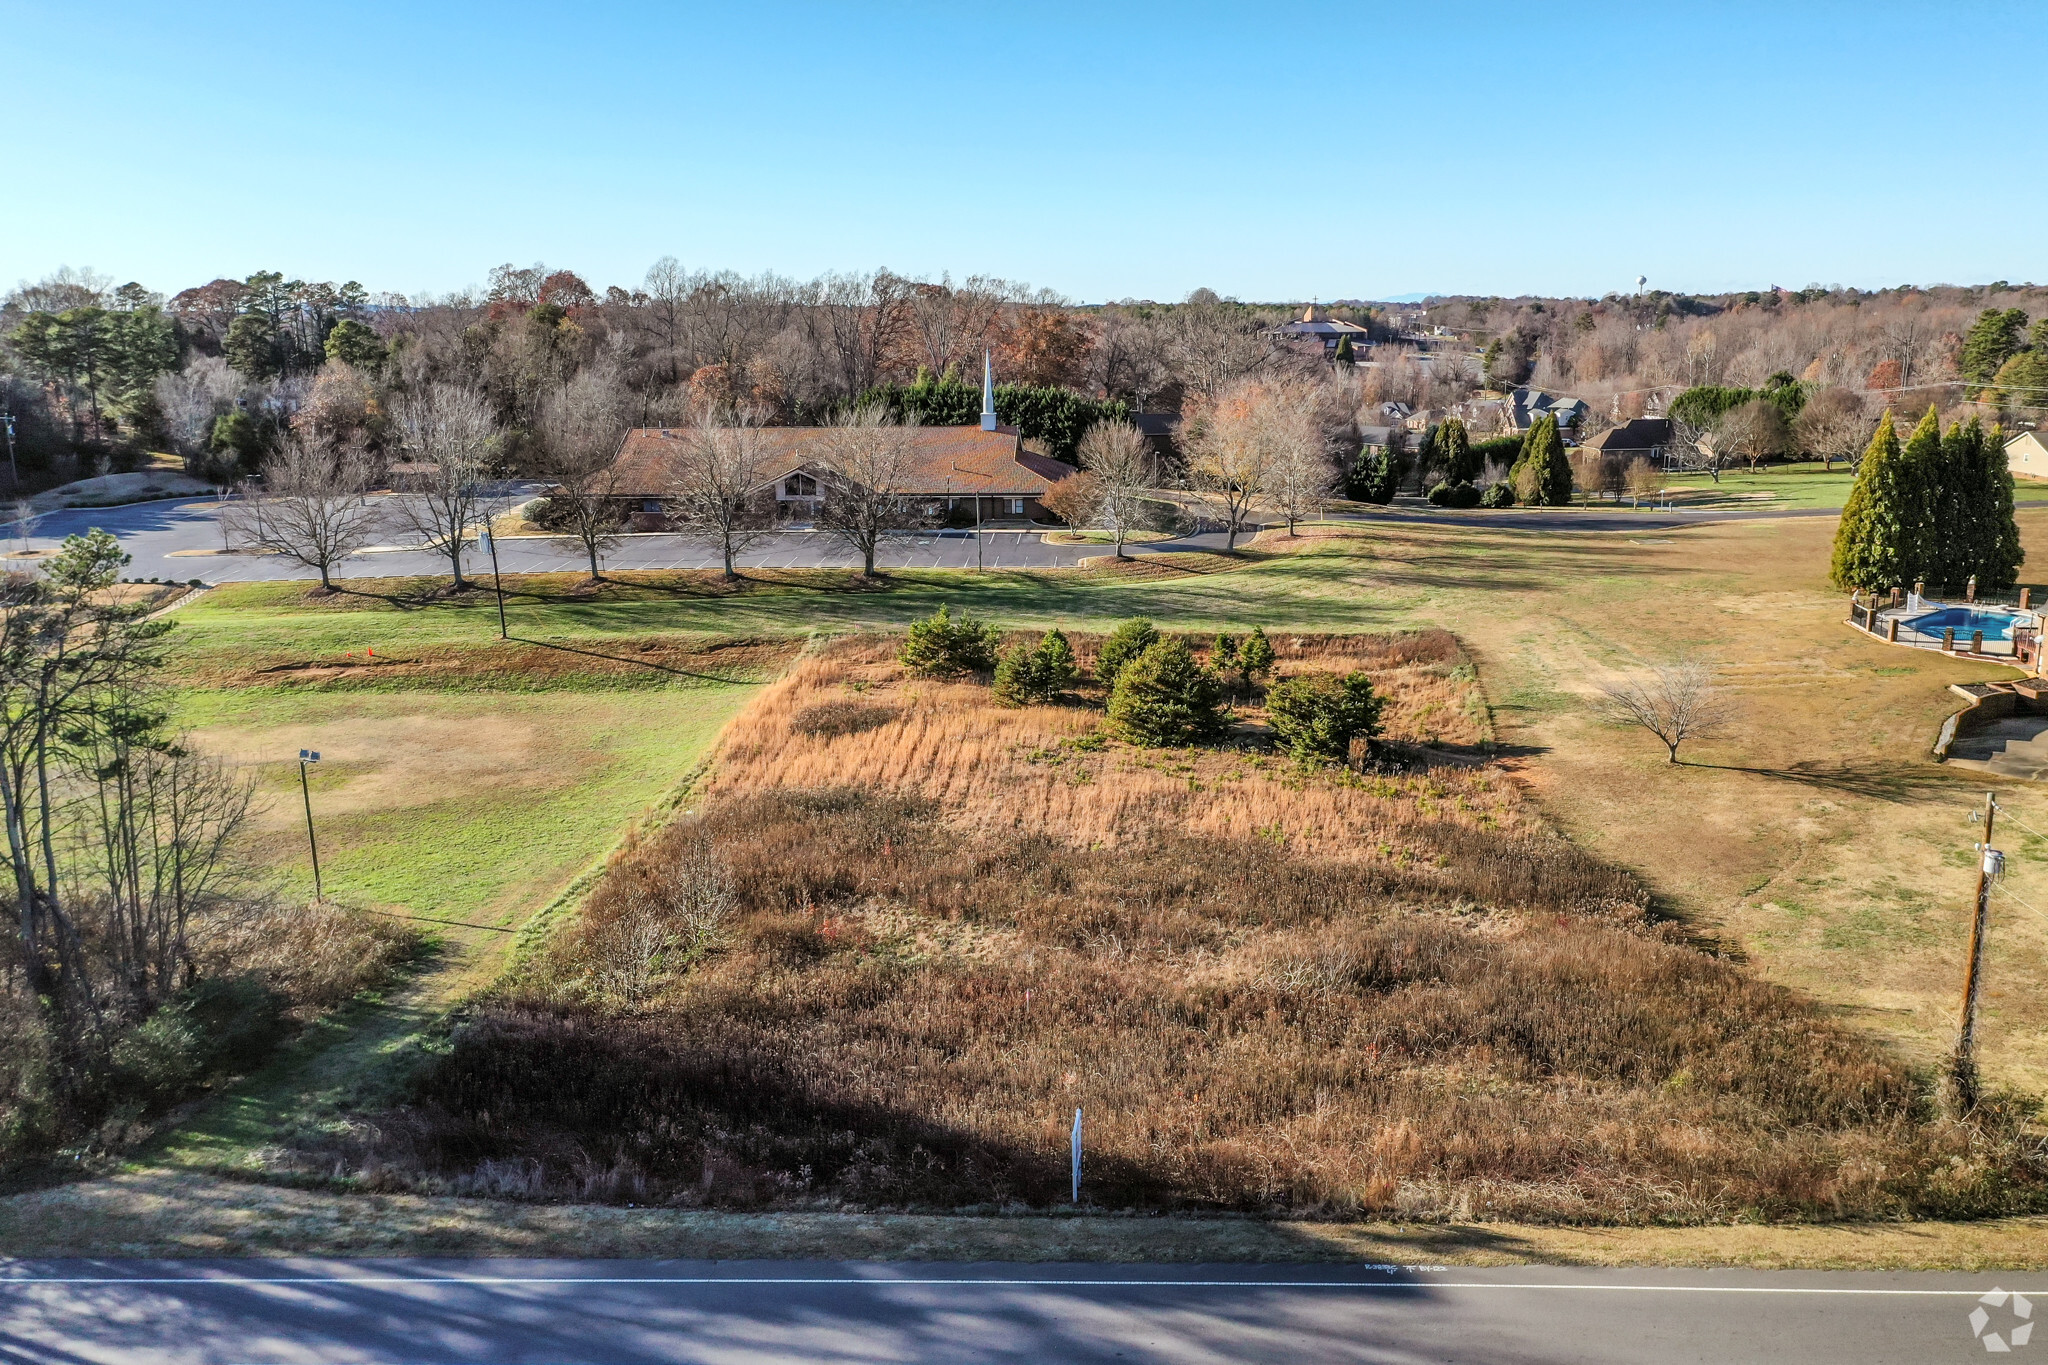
x: 1268, y: 989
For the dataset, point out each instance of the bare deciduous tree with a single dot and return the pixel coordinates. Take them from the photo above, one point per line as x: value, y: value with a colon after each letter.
x: 870, y: 456
x: 715, y: 485
x: 1694, y: 450
x: 1675, y: 702
x: 1259, y: 439
x: 1833, y: 424
x: 1643, y: 480
x: 1301, y: 473
x: 1753, y: 431
x: 448, y: 434
x: 1210, y: 344
x: 1118, y: 459
x: 582, y: 426
x: 312, y: 507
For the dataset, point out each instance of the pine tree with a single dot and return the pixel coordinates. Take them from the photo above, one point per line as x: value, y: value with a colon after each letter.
x: 1993, y: 339
x: 1453, y: 451
x: 1542, y: 476
x: 1931, y: 513
x: 2000, y: 567
x: 1345, y: 355
x: 1163, y: 697
x: 1256, y: 656
x: 1867, y: 539
x: 1983, y: 538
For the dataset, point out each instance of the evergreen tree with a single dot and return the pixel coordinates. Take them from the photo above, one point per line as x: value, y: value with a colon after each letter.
x: 1453, y: 451
x: 1867, y: 540
x: 1980, y: 535
x: 1315, y: 717
x: 1256, y: 657
x: 1025, y: 675
x: 1376, y: 476
x: 2002, y: 556
x: 1163, y: 697
x: 1542, y: 476
x: 1993, y: 339
x: 1931, y: 513
x: 2021, y: 382
x: 1124, y: 644
x: 1345, y: 355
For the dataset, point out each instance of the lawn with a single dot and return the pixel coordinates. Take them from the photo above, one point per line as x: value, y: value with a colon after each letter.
x: 1802, y: 484
x: 464, y: 813
x: 465, y: 805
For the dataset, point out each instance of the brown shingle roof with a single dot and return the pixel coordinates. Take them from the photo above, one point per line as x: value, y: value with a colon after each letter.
x: 1641, y: 433
x: 957, y: 460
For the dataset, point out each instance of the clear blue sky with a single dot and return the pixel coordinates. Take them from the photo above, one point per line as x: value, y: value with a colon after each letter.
x: 1266, y: 150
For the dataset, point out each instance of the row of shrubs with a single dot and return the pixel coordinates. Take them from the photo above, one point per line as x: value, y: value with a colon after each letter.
x: 1449, y: 494
x: 1159, y: 694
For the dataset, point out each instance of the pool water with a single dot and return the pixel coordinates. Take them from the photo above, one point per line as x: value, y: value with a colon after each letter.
x: 1966, y: 621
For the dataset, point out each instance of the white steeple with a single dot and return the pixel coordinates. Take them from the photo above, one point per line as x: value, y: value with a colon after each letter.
x: 988, y: 393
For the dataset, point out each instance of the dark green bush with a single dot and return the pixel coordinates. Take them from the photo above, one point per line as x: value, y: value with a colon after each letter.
x: 942, y: 647
x: 1454, y: 495
x: 221, y: 1024
x: 1163, y: 697
x: 1124, y: 644
x: 1500, y: 495
x: 1026, y: 674
x: 1316, y: 716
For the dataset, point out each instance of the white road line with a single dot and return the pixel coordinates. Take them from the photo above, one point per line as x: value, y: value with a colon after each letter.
x: 894, y: 1283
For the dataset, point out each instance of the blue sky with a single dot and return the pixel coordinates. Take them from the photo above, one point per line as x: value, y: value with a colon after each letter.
x: 1268, y: 151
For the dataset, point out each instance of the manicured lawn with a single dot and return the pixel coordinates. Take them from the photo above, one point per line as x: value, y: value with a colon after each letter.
x: 454, y: 805
x: 1790, y: 485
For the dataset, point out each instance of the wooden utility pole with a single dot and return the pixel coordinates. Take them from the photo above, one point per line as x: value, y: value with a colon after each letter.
x: 1963, y: 1072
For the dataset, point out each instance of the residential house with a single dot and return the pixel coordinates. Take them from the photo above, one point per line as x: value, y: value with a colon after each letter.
x: 1161, y: 431
x: 1526, y: 407
x: 2027, y: 456
x: 1644, y: 436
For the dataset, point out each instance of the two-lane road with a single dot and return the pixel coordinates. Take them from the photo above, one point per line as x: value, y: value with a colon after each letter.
x: 198, y: 1313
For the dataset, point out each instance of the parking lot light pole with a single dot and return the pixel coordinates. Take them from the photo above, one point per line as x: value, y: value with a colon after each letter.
x: 307, y: 756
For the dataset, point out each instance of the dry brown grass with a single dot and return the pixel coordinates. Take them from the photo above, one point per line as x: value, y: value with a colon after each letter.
x: 1269, y: 990
x: 516, y: 665
x: 149, y: 1212
x: 1046, y: 769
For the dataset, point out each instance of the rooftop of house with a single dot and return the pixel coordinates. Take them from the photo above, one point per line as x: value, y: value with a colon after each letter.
x: 1640, y: 433
x: 958, y: 461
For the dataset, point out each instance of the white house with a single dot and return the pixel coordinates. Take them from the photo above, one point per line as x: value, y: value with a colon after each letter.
x: 2027, y: 456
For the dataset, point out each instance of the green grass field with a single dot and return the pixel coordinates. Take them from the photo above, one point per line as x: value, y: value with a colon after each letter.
x: 454, y: 805
x: 1804, y: 484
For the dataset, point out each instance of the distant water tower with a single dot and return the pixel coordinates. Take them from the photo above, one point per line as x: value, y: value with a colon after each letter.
x: 1641, y: 280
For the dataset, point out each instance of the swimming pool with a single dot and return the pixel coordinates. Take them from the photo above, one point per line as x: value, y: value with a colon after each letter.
x: 1966, y: 621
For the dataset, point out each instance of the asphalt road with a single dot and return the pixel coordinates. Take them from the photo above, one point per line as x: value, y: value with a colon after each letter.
x: 198, y: 1313
x: 182, y: 539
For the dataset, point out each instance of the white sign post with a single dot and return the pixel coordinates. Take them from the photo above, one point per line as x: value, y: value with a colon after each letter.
x: 1077, y: 1156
